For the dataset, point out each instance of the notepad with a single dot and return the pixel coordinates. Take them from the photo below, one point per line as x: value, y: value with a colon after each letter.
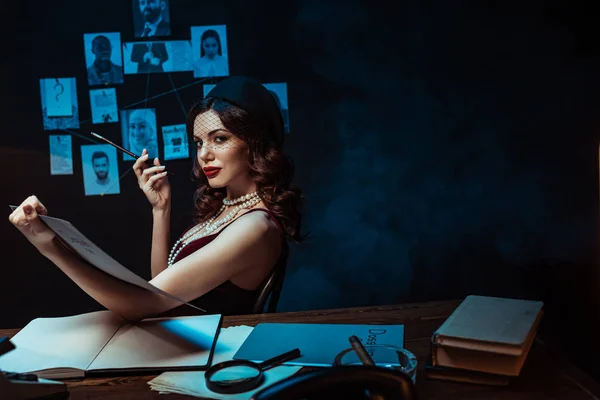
x: 318, y: 343
x: 102, y: 343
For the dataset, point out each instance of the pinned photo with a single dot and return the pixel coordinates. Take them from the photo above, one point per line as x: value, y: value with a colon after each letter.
x: 103, y: 58
x: 59, y: 103
x: 61, y: 155
x: 209, y: 51
x: 279, y: 92
x: 103, y: 103
x: 100, y: 169
x: 151, y: 18
x: 138, y: 129
x: 176, y: 142
x: 157, y: 57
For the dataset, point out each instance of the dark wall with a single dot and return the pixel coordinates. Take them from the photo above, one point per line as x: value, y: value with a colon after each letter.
x: 443, y: 151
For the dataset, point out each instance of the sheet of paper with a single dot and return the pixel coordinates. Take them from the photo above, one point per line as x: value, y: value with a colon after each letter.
x: 98, y: 258
x: 193, y: 384
x: 58, y: 97
x: 103, y: 103
x: 161, y: 343
x: 67, y: 342
x: 61, y: 155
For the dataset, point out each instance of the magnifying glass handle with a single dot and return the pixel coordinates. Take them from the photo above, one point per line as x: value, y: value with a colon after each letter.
x: 280, y: 359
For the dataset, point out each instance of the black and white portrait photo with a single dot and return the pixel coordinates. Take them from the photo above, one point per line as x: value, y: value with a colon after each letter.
x: 152, y: 57
x: 138, y: 130
x: 145, y: 57
x: 100, y: 169
x: 279, y: 92
x: 209, y: 51
x: 151, y: 18
x: 103, y: 58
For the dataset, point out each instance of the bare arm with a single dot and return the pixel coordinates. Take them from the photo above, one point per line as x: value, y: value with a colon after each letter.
x: 251, y: 242
x: 161, y: 229
x: 128, y: 301
x: 155, y: 185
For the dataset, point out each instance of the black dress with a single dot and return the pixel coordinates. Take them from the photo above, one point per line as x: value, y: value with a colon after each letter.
x: 227, y: 298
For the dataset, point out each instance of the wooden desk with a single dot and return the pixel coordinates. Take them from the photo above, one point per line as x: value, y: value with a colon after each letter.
x: 542, y: 377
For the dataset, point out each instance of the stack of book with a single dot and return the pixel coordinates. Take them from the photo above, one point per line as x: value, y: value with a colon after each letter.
x: 485, y: 340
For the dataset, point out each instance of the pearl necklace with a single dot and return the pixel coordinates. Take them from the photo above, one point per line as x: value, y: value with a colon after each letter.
x: 248, y: 200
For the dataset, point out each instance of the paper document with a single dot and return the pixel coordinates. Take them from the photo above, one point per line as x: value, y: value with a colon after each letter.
x: 99, y: 259
x: 193, y: 384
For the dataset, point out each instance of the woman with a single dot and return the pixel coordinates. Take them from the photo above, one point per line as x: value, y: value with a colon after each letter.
x: 211, y: 62
x: 245, y: 209
x: 140, y: 132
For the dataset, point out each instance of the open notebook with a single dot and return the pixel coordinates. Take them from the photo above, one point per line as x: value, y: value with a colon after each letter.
x: 102, y: 343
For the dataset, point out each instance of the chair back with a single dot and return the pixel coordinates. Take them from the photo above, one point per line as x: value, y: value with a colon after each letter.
x: 271, y: 288
x: 350, y: 382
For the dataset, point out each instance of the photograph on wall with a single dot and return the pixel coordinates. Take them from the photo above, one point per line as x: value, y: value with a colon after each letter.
x: 103, y: 58
x: 103, y: 103
x: 100, y: 169
x: 151, y: 18
x: 209, y: 51
x: 61, y: 155
x: 175, y: 141
x: 138, y: 130
x: 279, y: 92
x: 153, y: 57
x: 59, y: 103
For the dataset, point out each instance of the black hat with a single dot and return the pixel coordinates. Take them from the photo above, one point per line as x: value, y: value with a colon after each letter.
x: 251, y: 96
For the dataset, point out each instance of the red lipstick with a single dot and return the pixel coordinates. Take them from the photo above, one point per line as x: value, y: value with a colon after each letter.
x: 211, y: 172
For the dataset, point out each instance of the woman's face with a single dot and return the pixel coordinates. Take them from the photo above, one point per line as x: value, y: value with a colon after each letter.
x: 211, y: 47
x: 222, y: 156
x: 139, y: 132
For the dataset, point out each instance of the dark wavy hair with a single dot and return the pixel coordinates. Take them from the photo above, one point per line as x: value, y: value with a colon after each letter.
x: 270, y: 169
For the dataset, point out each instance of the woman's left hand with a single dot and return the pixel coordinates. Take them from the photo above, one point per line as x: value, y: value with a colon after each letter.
x: 26, y: 219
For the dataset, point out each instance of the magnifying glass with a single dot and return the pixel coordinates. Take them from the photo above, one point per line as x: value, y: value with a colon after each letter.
x: 238, y: 376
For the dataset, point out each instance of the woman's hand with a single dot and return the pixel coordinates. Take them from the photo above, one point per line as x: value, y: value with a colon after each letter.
x: 26, y: 219
x: 153, y: 181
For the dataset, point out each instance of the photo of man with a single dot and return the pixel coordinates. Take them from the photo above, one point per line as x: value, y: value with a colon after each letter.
x: 151, y: 18
x: 100, y: 165
x: 149, y: 56
x: 100, y: 170
x: 138, y: 129
x: 103, y: 58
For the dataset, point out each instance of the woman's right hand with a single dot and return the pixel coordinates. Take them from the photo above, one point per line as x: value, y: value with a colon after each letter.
x: 153, y: 181
x: 26, y: 219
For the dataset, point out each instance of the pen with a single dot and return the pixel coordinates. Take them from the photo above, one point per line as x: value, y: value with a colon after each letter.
x: 360, y: 351
x: 120, y: 148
